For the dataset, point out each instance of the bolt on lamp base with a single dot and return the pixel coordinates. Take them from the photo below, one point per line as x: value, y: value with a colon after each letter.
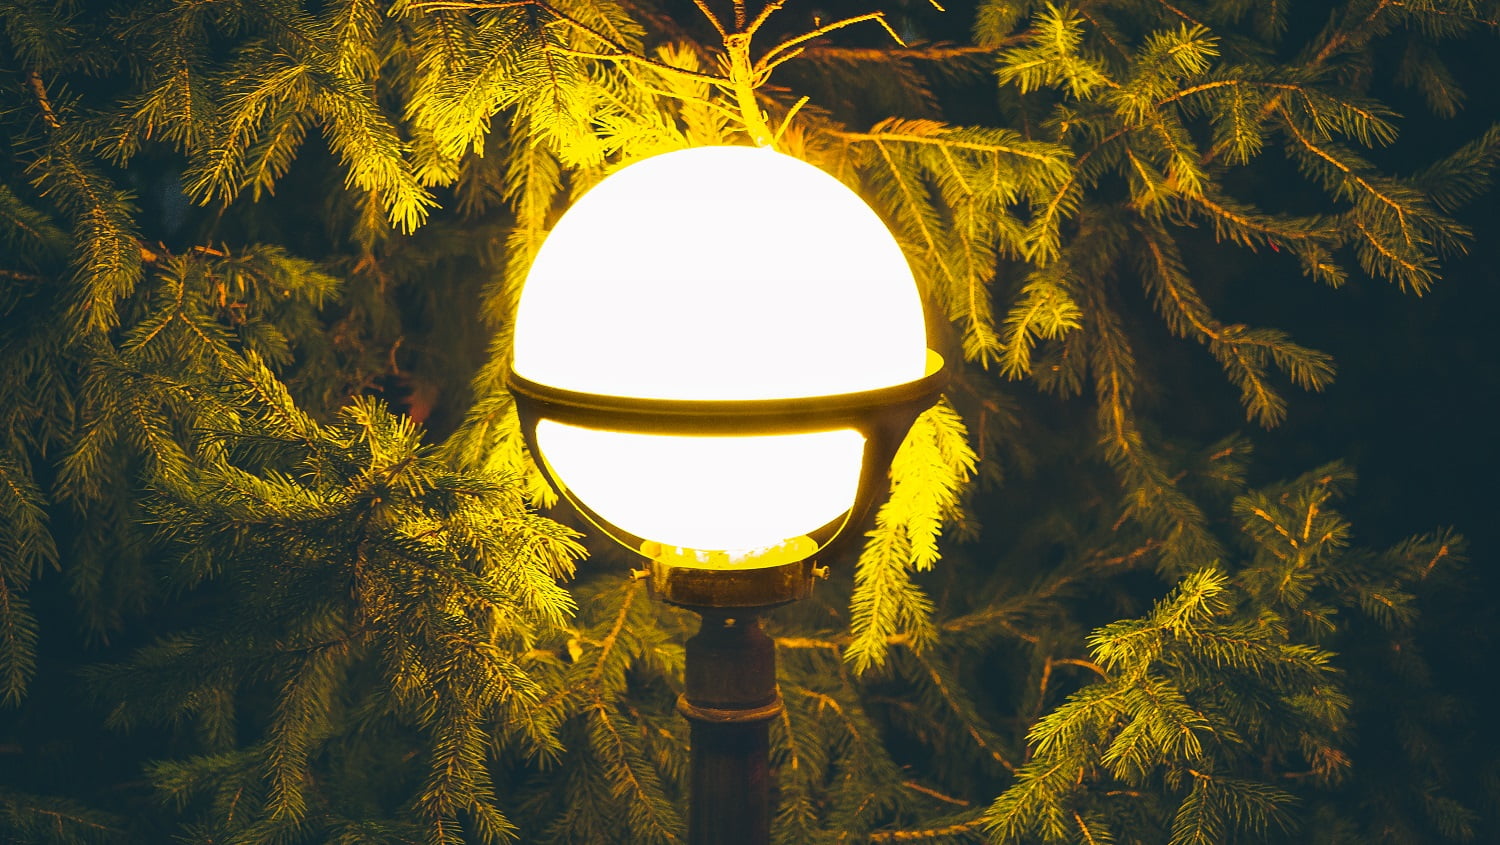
x: 730, y: 698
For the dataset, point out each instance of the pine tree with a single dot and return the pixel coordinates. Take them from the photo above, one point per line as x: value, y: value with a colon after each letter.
x: 272, y: 564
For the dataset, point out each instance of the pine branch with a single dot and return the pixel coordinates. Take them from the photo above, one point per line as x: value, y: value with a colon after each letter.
x: 653, y: 819
x: 108, y: 264
x: 963, y: 710
x: 930, y: 468
x: 55, y: 819
x: 1335, y: 38
x: 919, y: 52
x: 960, y: 831
x: 935, y: 134
x: 1043, y: 311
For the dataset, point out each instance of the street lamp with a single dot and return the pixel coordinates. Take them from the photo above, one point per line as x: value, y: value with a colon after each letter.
x: 717, y: 352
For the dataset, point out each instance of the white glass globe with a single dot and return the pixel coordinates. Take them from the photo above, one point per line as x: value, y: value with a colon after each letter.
x: 716, y: 273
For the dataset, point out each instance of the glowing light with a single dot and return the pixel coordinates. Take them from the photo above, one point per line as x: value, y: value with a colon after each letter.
x: 738, y: 493
x: 716, y: 273
x: 720, y: 273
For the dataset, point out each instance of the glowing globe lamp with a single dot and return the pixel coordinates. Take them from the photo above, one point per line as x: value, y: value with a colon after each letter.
x: 717, y: 350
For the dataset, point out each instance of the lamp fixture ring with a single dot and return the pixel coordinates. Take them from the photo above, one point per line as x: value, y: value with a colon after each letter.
x: 859, y: 410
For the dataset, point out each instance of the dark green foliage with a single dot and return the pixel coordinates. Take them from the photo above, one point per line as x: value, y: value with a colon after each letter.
x: 38, y: 819
x: 248, y: 249
x: 389, y: 601
x: 1190, y: 699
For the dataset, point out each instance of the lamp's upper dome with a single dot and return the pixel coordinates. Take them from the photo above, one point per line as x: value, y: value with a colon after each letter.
x: 720, y: 273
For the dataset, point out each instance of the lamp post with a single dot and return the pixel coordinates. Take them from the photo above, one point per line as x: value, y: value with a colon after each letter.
x: 717, y: 352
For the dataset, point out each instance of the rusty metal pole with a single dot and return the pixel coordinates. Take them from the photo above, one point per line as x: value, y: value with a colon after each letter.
x: 730, y: 698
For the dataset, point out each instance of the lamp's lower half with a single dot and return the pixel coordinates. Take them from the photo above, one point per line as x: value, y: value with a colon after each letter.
x: 730, y: 699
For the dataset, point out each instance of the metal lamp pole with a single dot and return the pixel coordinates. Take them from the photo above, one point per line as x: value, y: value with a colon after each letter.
x: 730, y: 698
x: 730, y: 694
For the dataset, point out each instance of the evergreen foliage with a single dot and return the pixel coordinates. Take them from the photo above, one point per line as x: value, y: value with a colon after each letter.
x: 244, y: 598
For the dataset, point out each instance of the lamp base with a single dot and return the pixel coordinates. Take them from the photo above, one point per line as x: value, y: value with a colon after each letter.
x: 719, y: 589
